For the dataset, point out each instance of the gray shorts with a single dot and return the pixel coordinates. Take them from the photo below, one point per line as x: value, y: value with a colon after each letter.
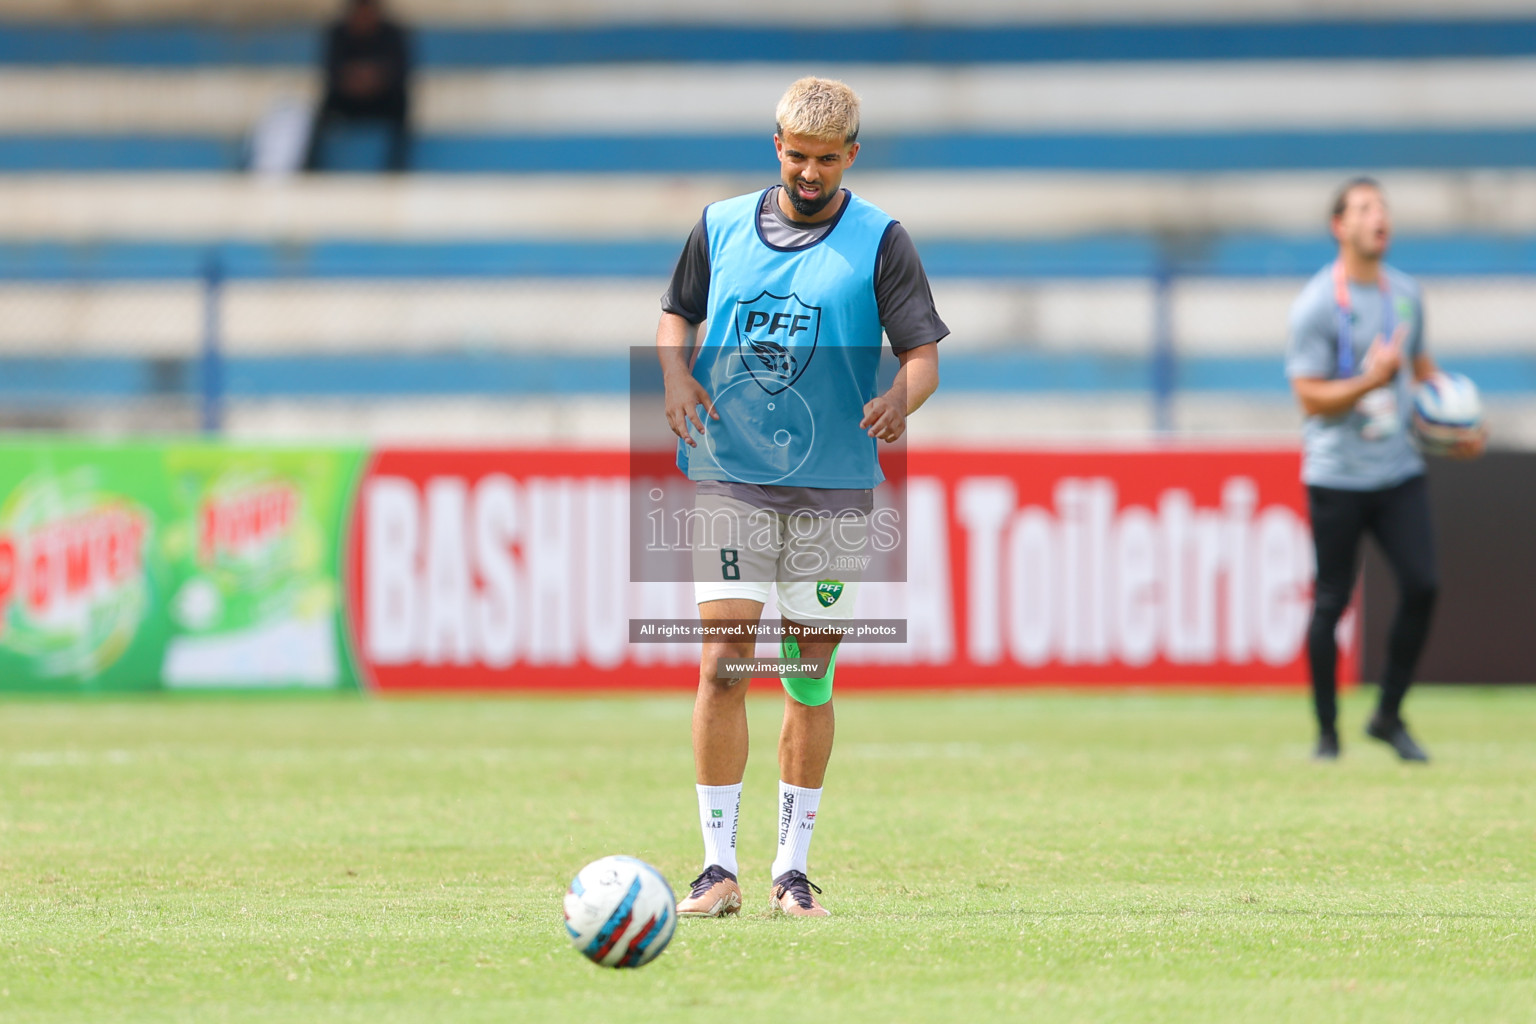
x: 814, y: 560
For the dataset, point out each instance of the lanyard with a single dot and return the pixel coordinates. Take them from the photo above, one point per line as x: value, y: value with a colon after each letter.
x: 1341, y: 300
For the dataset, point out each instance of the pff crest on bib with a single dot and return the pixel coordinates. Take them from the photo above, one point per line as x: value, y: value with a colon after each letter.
x: 776, y: 337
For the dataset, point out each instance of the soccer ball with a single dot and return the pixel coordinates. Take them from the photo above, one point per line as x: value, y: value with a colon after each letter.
x: 1446, y: 411
x: 620, y: 912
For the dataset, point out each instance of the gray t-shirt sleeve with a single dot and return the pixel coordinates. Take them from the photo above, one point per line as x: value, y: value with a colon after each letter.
x: 687, y: 294
x: 1312, y: 348
x: 902, y: 293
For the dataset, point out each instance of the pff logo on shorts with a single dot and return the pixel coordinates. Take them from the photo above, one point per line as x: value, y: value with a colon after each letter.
x: 828, y: 591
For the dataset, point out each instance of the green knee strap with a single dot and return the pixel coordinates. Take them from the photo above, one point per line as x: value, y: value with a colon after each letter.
x: 808, y: 691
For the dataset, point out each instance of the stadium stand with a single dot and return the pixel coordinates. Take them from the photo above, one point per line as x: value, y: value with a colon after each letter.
x: 1075, y: 175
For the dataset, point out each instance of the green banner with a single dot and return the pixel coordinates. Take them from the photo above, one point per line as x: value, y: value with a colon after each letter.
x: 140, y: 566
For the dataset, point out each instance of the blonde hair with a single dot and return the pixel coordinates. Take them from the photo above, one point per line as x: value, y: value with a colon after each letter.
x: 819, y: 108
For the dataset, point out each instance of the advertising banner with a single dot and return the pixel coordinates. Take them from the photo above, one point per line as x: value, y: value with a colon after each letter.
x: 252, y: 561
x: 145, y: 566
x: 492, y: 569
x: 137, y: 566
x: 82, y: 597
x: 1163, y: 566
x: 1149, y: 566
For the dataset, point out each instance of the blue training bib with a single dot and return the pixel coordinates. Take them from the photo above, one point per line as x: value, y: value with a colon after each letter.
x: 791, y: 352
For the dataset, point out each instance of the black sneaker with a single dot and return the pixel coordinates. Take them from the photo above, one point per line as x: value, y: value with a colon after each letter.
x: 1327, y: 747
x: 792, y: 896
x: 713, y: 894
x: 1395, y: 735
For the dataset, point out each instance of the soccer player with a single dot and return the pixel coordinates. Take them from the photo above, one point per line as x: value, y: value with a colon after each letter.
x: 1356, y: 345
x: 778, y: 417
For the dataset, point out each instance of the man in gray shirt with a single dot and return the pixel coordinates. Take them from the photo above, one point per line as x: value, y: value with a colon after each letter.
x: 1356, y: 348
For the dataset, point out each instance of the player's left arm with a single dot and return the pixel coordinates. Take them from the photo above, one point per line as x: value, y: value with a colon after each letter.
x: 885, y: 416
x: 914, y: 328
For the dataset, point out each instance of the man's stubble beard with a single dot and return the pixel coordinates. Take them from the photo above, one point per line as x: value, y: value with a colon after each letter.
x: 809, y: 207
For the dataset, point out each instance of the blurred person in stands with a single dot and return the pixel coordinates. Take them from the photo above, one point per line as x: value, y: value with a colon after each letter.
x: 1356, y: 348
x: 367, y: 79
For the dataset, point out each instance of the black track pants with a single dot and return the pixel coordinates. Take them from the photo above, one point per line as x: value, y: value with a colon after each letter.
x: 1399, y: 519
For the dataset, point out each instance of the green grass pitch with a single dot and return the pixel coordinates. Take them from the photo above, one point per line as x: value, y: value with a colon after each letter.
x: 1040, y: 857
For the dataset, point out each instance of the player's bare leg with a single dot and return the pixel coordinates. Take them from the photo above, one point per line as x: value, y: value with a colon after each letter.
x: 805, y: 748
x: 720, y: 707
x: 720, y: 760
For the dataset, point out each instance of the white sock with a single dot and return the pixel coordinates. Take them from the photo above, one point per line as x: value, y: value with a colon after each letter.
x: 797, y: 820
x: 719, y: 807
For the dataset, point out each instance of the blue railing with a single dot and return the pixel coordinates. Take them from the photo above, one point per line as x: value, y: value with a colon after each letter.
x: 491, y: 46
x: 743, y: 153
x: 1238, y: 255
x: 210, y: 377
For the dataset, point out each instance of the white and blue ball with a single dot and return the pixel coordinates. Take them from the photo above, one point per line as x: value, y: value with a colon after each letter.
x: 1446, y: 411
x: 620, y: 912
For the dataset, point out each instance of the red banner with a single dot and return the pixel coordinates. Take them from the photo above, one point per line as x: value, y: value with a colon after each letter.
x: 1103, y: 567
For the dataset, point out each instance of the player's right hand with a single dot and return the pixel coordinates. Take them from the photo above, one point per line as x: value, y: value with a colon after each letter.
x: 1385, y: 357
x: 684, y: 396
